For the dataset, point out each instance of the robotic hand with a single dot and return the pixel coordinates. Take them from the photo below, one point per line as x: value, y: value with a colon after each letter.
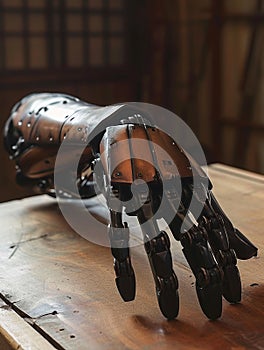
x: 137, y: 180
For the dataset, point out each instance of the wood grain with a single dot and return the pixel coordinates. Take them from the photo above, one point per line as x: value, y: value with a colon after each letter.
x: 63, y: 285
x: 15, y: 333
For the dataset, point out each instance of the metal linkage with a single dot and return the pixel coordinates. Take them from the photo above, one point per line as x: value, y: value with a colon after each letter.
x: 208, y: 275
x: 157, y: 246
x: 243, y: 248
x: 198, y: 253
x: 225, y: 256
x: 119, y: 240
x: 159, y: 255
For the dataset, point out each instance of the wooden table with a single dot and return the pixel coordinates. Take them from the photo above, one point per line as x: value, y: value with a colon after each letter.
x: 58, y: 290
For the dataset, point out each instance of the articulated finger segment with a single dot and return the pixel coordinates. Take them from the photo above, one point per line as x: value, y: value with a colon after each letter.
x: 197, y: 250
x: 242, y: 246
x: 177, y: 209
x: 204, y: 266
x: 125, y: 277
x: 158, y: 251
x: 231, y: 282
x: 225, y: 256
x: 198, y: 253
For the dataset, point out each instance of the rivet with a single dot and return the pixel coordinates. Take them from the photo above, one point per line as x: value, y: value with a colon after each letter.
x: 118, y: 174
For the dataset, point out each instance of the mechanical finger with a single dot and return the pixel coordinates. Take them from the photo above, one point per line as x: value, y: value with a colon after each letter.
x: 157, y: 246
x: 119, y: 240
x: 199, y: 255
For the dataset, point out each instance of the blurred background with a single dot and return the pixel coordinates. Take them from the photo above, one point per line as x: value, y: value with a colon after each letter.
x: 203, y: 60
